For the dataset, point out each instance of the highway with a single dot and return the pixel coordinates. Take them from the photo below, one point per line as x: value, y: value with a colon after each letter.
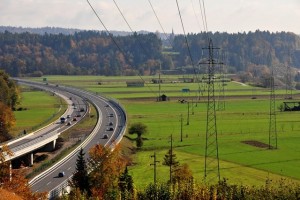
x: 29, y: 142
x: 111, y: 115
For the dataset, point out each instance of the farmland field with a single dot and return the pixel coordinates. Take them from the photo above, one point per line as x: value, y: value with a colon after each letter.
x: 38, y: 109
x: 245, y: 118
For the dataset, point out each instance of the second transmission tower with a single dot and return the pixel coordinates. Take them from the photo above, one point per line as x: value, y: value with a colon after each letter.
x: 272, y: 120
x: 211, y: 168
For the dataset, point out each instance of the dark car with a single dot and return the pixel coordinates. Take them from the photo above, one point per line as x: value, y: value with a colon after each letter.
x: 110, y: 129
x: 110, y: 124
x: 105, y: 136
x: 61, y: 174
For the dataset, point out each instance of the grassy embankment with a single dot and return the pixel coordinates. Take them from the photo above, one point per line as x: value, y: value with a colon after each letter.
x: 39, y: 108
x: 243, y: 119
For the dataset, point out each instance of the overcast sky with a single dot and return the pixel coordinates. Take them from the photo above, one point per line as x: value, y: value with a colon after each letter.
x: 222, y: 15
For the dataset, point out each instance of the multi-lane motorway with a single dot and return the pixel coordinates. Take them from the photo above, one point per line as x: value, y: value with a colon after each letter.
x: 108, y: 131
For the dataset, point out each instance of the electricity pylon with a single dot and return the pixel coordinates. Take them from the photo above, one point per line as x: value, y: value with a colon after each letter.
x: 211, y: 168
x: 272, y: 121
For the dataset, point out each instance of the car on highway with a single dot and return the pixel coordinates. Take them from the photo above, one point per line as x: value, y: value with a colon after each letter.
x: 62, y: 120
x: 110, y: 124
x: 110, y: 129
x: 61, y: 174
x: 105, y: 136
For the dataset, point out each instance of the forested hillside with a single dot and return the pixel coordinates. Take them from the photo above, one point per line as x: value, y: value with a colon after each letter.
x: 91, y: 52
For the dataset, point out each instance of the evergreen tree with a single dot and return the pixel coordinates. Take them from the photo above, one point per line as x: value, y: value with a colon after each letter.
x: 170, y: 159
x: 126, y: 185
x: 80, y: 178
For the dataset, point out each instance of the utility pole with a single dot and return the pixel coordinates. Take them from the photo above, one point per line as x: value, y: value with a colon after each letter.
x: 154, y: 164
x: 181, y: 122
x: 171, y: 158
x: 159, y: 87
x: 192, y: 106
x: 188, y: 114
x: 211, y: 168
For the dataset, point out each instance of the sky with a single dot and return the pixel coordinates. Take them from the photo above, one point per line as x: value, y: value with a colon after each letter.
x: 221, y: 15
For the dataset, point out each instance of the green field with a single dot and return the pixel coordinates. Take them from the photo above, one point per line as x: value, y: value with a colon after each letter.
x: 243, y: 119
x: 39, y: 109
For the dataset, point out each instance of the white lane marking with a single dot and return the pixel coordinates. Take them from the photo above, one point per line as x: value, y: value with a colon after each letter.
x: 48, y: 183
x: 69, y: 168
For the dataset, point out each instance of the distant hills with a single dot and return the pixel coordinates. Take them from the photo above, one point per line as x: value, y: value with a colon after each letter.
x: 57, y: 30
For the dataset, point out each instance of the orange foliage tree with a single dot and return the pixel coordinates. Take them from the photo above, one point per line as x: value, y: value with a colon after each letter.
x: 107, y: 167
x: 7, y: 121
x: 4, y: 166
x: 14, y: 181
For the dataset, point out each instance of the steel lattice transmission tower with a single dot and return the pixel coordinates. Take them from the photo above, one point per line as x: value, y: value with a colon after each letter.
x: 211, y: 168
x: 272, y: 121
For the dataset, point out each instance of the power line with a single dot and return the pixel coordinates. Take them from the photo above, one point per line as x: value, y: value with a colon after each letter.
x: 203, y: 16
x: 114, y: 41
x: 185, y: 37
x: 195, y: 14
x: 110, y: 35
x: 162, y: 28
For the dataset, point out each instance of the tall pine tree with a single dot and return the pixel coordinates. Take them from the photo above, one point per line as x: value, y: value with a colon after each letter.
x: 80, y: 178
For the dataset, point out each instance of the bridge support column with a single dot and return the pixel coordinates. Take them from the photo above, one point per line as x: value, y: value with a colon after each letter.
x: 30, y: 159
x: 10, y: 171
x: 50, y: 146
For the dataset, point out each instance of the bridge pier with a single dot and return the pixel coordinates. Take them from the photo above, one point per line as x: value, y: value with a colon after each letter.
x: 30, y: 160
x: 50, y: 146
x: 10, y: 171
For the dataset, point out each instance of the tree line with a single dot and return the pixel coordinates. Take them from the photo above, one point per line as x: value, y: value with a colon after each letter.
x: 98, y: 53
x: 9, y: 99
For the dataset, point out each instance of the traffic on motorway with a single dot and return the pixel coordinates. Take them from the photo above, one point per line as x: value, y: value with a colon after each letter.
x: 109, y: 130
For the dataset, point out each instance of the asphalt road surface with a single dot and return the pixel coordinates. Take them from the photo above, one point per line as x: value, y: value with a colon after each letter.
x: 111, y: 123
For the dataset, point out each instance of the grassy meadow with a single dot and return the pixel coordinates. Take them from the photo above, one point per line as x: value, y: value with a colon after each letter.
x: 38, y: 109
x: 244, y: 118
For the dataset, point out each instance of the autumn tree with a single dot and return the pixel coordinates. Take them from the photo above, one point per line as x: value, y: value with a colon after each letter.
x: 14, y: 180
x: 4, y: 165
x: 107, y: 168
x: 9, y: 98
x: 183, y: 174
x: 139, y: 129
x: 80, y: 178
x: 19, y: 185
x: 9, y: 91
x: 7, y: 121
